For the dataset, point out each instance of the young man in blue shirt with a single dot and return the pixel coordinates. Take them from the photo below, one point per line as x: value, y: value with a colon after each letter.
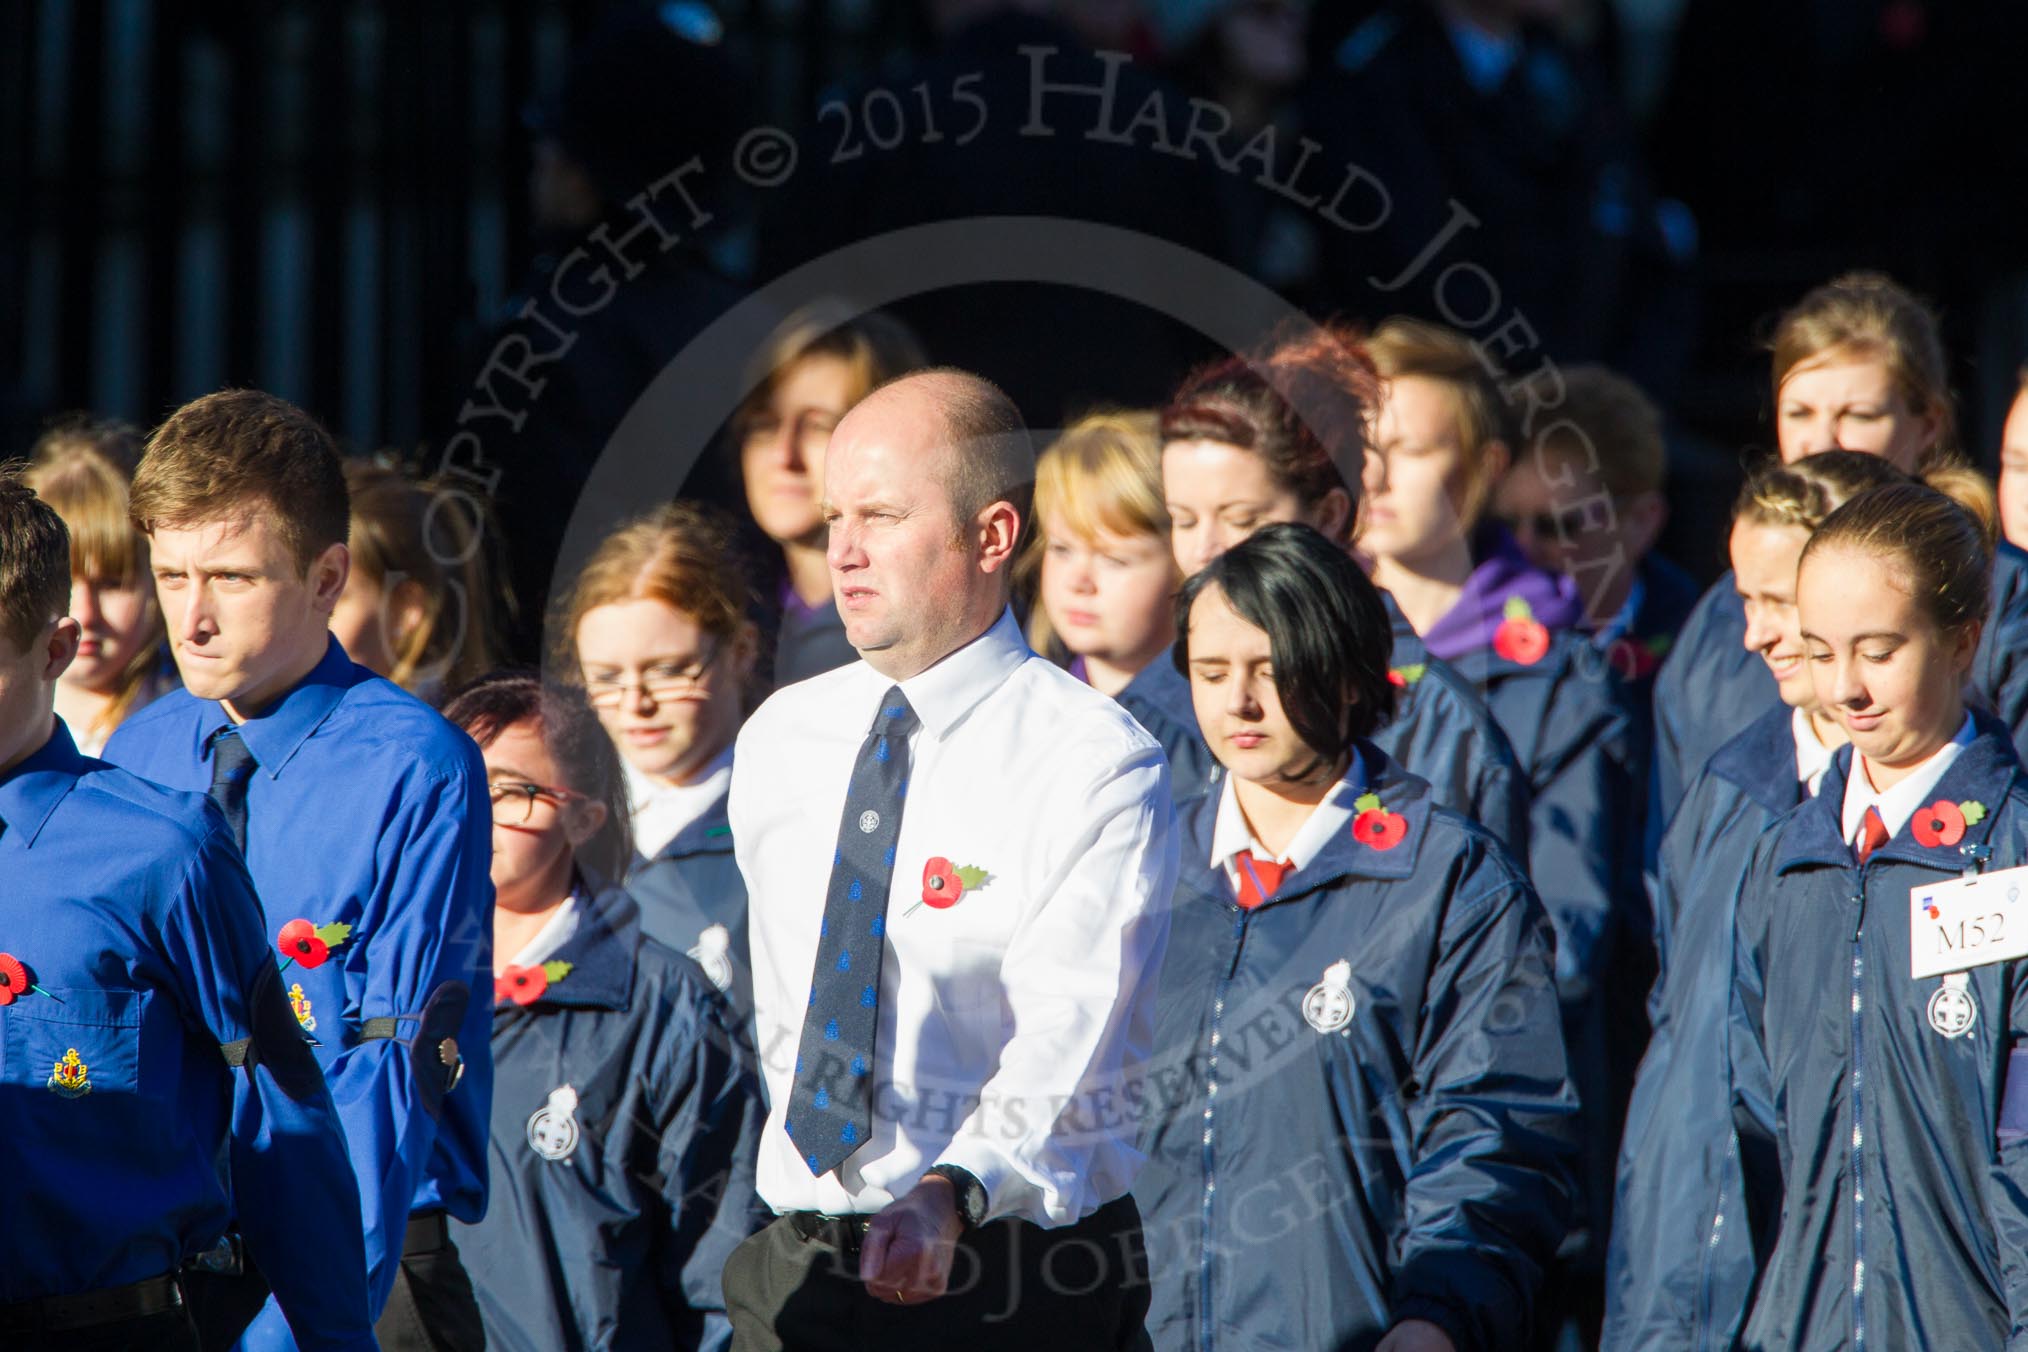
x: 364, y: 820
x: 150, y: 1073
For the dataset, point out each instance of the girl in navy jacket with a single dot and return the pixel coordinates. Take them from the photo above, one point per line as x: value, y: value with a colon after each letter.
x: 657, y: 630
x: 1441, y: 448
x: 1880, y: 1111
x: 1280, y: 436
x: 1359, y: 1116
x: 626, y: 1114
x: 1680, y: 1265
x: 1858, y: 365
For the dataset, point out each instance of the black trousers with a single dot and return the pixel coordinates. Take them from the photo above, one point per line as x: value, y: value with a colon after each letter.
x: 169, y: 1331
x: 432, y: 1307
x: 1014, y: 1286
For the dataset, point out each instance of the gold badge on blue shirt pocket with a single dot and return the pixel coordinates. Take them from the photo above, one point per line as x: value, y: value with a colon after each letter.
x: 1329, y: 1005
x: 70, y: 1077
x: 299, y: 1004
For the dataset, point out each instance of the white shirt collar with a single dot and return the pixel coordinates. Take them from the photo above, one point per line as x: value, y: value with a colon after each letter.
x: 1230, y: 834
x: 554, y: 934
x: 953, y: 687
x: 660, y: 812
x: 1899, y: 803
x: 1812, y: 756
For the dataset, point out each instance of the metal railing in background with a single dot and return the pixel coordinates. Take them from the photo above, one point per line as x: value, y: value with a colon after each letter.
x: 323, y: 198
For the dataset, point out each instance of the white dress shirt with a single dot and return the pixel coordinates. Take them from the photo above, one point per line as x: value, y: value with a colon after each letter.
x: 660, y: 811
x: 1034, y: 991
x: 1812, y: 756
x: 1899, y: 803
x: 1230, y: 834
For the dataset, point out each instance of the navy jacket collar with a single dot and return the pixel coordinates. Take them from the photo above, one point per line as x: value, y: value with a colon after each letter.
x: 1984, y: 773
x: 32, y: 789
x: 279, y: 732
x: 600, y: 954
x: 1346, y: 855
x: 1753, y: 762
x: 711, y: 833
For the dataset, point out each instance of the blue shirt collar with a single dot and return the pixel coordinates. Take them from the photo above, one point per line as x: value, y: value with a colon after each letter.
x: 277, y: 734
x: 31, y: 790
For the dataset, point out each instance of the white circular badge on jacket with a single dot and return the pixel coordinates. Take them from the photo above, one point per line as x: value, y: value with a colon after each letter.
x: 714, y: 954
x: 1329, y: 1005
x: 552, y: 1129
x: 1952, y: 1011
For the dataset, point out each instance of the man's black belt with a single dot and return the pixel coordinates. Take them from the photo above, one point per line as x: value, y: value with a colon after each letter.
x: 428, y: 1231
x: 49, y: 1314
x: 840, y: 1232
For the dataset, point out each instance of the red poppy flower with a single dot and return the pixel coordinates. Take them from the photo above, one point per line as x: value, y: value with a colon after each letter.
x: 1521, y: 641
x: 13, y: 979
x: 1375, y: 825
x: 299, y: 942
x: 1396, y: 679
x: 522, y: 985
x: 1633, y: 661
x: 1941, y: 823
x: 941, y: 885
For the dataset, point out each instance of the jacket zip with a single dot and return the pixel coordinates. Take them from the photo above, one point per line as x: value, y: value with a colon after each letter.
x: 1858, y: 1082
x: 1204, y: 1321
x: 1711, y: 1242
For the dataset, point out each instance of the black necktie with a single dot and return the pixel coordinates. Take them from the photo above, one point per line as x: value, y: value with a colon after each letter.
x: 232, y: 766
x: 831, y: 1102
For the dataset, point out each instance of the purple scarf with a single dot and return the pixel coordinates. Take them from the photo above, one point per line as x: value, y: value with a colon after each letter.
x: 1503, y: 574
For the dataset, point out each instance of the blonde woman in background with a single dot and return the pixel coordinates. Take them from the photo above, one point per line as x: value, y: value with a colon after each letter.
x: 418, y: 603
x: 1106, y: 577
x: 81, y: 467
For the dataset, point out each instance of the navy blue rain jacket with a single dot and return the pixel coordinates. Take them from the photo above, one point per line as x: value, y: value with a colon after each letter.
x: 1159, y: 699
x: 1888, y: 1205
x: 1572, y: 730
x: 1711, y: 687
x: 626, y: 1121
x: 1680, y: 1265
x: 1358, y: 1107
x: 693, y: 899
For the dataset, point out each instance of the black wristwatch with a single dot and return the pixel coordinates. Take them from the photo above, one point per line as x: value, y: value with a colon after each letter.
x: 971, y: 1193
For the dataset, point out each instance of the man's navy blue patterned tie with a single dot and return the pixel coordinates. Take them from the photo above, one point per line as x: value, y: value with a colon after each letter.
x: 831, y: 1102
x: 232, y: 765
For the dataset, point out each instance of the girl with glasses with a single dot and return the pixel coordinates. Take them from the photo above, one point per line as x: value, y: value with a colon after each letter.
x: 625, y: 1109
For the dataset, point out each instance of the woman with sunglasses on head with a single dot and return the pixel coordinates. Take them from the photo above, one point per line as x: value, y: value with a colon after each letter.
x: 626, y: 1114
x: 1879, y: 1018
x: 1360, y: 1119
x: 657, y: 630
x: 1858, y: 365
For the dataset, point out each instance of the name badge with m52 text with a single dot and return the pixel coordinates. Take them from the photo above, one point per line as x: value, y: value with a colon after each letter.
x: 1968, y: 922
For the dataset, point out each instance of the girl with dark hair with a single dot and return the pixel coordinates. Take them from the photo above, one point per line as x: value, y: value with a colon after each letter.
x: 1878, y: 1018
x: 1359, y: 1093
x: 1280, y: 435
x: 626, y: 1115
x: 1858, y: 364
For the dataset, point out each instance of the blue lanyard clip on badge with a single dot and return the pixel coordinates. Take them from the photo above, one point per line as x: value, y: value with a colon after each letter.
x: 1975, y: 857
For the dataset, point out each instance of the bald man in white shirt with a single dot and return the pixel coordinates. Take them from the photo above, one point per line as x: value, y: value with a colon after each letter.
x: 960, y: 860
